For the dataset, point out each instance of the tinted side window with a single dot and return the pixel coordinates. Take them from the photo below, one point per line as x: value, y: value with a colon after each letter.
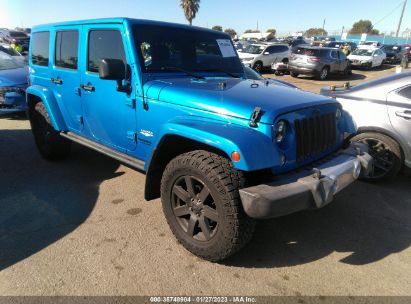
x: 104, y: 44
x: 67, y: 49
x: 406, y: 92
x: 334, y: 54
x: 40, y: 48
x: 284, y: 49
x: 271, y: 50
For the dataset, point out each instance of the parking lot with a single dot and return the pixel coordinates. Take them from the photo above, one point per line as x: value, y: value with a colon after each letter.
x: 82, y: 227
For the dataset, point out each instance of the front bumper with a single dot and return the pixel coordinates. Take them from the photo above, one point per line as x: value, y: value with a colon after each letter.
x: 311, y: 188
x: 13, y: 102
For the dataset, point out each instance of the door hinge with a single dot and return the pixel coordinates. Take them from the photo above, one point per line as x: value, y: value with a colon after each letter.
x: 132, y: 136
x: 131, y: 102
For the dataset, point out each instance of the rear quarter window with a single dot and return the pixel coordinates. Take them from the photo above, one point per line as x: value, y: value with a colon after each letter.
x: 40, y: 48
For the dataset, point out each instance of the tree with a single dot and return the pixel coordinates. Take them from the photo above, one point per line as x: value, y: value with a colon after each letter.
x: 272, y: 31
x: 230, y: 32
x: 315, y: 32
x: 190, y: 8
x: 364, y: 26
x: 251, y: 31
x: 217, y: 28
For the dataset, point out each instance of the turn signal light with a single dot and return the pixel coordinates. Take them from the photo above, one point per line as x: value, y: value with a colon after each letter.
x: 235, y: 156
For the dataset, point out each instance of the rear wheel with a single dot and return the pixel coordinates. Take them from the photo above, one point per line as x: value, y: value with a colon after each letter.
x: 50, y: 143
x: 386, y: 153
x: 201, y: 202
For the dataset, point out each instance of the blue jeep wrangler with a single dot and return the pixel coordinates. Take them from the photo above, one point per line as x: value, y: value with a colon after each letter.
x: 172, y: 101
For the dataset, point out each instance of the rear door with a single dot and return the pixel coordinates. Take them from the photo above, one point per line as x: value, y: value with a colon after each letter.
x: 109, y: 115
x: 66, y: 75
x: 399, y: 109
x: 335, y: 64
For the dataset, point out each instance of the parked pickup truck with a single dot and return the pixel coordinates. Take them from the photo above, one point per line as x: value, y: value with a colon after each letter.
x: 173, y: 102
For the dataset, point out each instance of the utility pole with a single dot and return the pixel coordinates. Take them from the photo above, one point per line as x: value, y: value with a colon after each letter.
x: 402, y: 15
x: 324, y: 24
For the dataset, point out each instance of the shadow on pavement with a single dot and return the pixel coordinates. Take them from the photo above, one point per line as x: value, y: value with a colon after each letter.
x: 40, y: 201
x: 368, y: 222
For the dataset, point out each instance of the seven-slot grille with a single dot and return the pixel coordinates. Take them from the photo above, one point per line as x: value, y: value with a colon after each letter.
x: 315, y: 135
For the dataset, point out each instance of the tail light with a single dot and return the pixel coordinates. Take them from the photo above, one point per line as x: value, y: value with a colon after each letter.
x: 313, y: 59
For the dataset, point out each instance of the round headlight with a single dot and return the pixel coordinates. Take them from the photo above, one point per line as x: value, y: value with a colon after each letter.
x: 280, y: 130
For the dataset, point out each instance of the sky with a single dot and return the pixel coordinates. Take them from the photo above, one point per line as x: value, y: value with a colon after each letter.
x: 285, y: 16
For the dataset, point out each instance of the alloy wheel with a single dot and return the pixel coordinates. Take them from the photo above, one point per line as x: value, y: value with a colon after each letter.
x: 194, y: 208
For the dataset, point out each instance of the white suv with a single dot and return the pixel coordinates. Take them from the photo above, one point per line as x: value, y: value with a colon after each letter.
x: 259, y: 56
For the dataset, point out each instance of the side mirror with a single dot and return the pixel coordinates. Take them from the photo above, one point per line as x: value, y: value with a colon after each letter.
x: 266, y: 53
x: 112, y: 69
x: 116, y: 69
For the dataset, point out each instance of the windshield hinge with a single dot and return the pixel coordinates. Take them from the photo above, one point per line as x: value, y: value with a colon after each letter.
x: 255, y: 117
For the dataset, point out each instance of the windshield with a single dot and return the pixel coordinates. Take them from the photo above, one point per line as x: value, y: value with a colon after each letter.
x: 251, y: 74
x: 9, y: 50
x: 253, y: 49
x: 8, y: 63
x: 391, y: 48
x: 15, y: 34
x: 363, y: 52
x: 163, y: 49
x: 306, y: 51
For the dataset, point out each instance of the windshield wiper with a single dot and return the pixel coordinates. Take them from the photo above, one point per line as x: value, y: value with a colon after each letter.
x: 172, y: 68
x: 219, y: 70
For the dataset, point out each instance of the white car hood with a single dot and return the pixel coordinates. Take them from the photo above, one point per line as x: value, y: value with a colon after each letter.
x: 361, y: 58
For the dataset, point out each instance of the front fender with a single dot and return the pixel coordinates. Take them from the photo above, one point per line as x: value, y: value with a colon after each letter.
x: 256, y: 149
x: 50, y: 103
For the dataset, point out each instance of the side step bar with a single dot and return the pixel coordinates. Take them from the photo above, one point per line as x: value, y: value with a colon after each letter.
x: 124, y: 158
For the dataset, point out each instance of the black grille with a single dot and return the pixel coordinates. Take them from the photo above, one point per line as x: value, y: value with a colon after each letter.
x: 315, y: 135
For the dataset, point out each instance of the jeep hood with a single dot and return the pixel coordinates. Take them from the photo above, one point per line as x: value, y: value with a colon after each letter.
x: 233, y: 97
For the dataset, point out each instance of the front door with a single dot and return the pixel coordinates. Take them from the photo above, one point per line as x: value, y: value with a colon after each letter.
x: 109, y: 115
x: 399, y: 109
x: 66, y: 76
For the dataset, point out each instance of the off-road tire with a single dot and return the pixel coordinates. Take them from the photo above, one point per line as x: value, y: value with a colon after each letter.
x: 51, y: 145
x: 391, y: 155
x: 234, y: 228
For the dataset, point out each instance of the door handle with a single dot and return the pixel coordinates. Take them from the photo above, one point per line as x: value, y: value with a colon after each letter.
x: 87, y: 87
x: 56, y: 80
x: 406, y: 114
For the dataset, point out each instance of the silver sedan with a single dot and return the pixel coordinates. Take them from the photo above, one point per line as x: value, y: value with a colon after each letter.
x: 380, y: 111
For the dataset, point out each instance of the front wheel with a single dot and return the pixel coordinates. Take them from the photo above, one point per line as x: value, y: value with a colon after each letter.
x: 386, y: 154
x: 324, y: 74
x: 201, y: 202
x: 258, y: 67
x: 294, y: 74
